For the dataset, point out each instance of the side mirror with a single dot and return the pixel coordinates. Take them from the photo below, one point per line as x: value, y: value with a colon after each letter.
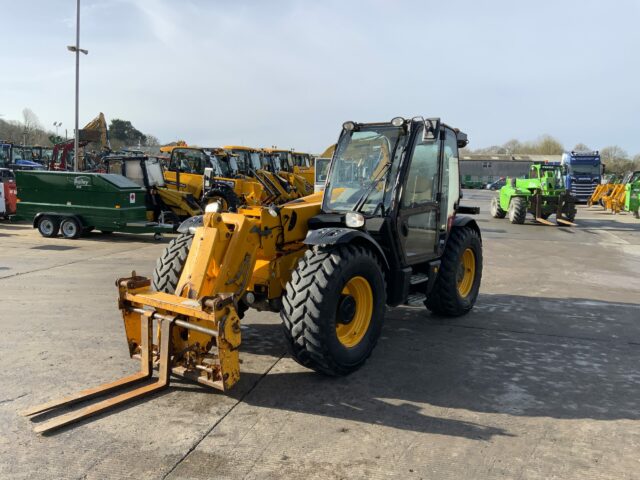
x: 428, y: 132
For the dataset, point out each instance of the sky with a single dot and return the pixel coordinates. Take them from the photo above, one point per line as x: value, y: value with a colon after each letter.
x: 290, y: 72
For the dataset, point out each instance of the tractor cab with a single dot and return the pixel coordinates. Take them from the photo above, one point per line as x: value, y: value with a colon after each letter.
x: 5, y: 154
x: 548, y: 177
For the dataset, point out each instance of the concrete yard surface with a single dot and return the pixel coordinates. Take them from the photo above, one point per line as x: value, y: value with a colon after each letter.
x: 541, y: 380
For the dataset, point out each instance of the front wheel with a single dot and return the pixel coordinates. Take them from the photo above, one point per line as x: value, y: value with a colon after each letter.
x: 333, y: 308
x: 458, y: 282
x: 517, y: 210
x: 569, y: 211
x: 496, y: 210
x: 171, y: 263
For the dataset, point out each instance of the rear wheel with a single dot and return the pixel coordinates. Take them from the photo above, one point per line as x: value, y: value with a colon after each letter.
x: 496, y: 210
x: 517, y: 210
x: 171, y: 263
x: 48, y: 226
x: 458, y: 282
x: 70, y: 228
x: 333, y: 308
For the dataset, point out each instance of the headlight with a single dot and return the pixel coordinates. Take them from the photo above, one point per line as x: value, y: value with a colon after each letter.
x: 354, y: 220
x: 397, y: 121
x: 349, y: 126
x: 213, y: 207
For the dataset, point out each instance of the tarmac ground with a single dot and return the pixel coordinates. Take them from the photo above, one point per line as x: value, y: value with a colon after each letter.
x: 539, y: 381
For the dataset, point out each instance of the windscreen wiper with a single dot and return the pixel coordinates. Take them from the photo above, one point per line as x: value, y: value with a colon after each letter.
x: 374, y: 183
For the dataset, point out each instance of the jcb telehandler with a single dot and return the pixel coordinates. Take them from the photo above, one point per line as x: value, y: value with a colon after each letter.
x: 188, y: 167
x: 385, y: 232
x: 300, y: 177
x: 542, y: 193
x: 264, y: 168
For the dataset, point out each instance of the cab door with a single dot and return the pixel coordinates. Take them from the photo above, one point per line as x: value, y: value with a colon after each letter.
x: 419, y: 213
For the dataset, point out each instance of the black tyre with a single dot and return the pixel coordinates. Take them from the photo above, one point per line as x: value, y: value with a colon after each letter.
x: 48, y: 226
x: 496, y: 210
x: 569, y: 211
x: 458, y: 282
x: 517, y: 210
x: 171, y: 263
x: 227, y: 198
x: 70, y: 228
x: 333, y: 308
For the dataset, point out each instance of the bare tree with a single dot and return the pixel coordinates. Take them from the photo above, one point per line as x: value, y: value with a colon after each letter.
x: 581, y: 147
x: 31, y: 124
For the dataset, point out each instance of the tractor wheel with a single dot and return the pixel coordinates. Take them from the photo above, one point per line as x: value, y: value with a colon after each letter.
x: 458, y: 282
x: 48, y: 226
x: 227, y: 198
x: 70, y: 228
x: 569, y: 211
x: 170, y: 265
x: 517, y: 210
x: 496, y: 210
x: 333, y: 308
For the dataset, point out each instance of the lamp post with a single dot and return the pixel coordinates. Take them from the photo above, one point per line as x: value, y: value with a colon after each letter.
x: 57, y: 125
x: 76, y: 49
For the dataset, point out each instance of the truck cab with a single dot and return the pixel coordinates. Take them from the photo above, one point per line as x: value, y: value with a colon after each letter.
x: 583, y: 173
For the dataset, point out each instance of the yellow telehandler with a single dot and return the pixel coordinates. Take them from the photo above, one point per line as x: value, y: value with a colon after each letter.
x: 384, y: 232
x: 264, y: 168
x: 280, y: 162
x: 207, y: 174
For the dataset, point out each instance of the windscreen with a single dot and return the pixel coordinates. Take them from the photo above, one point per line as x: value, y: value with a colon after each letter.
x: 255, y: 161
x: 588, y: 169
x: 361, y: 167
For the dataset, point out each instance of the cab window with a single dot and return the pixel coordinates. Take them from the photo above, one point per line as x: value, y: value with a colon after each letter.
x: 422, y: 178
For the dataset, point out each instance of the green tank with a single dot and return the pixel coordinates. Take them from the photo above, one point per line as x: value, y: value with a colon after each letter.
x: 75, y: 203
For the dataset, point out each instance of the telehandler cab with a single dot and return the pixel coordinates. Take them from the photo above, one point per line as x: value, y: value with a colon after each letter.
x: 385, y: 232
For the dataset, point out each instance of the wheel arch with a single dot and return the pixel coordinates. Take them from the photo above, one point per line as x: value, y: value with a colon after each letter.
x: 464, y: 221
x: 344, y: 236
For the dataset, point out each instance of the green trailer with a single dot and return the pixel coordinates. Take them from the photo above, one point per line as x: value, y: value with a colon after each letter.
x: 76, y: 203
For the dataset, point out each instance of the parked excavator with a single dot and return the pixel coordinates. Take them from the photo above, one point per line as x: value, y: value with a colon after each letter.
x: 62, y: 157
x: 385, y: 232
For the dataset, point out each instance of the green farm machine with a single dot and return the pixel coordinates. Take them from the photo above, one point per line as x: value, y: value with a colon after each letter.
x: 542, y: 193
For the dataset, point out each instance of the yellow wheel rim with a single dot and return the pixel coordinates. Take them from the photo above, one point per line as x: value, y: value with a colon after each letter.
x: 351, y: 334
x: 466, y: 272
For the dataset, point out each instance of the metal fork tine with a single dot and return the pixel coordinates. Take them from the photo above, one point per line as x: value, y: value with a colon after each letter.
x: 86, y: 394
x: 163, y: 381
